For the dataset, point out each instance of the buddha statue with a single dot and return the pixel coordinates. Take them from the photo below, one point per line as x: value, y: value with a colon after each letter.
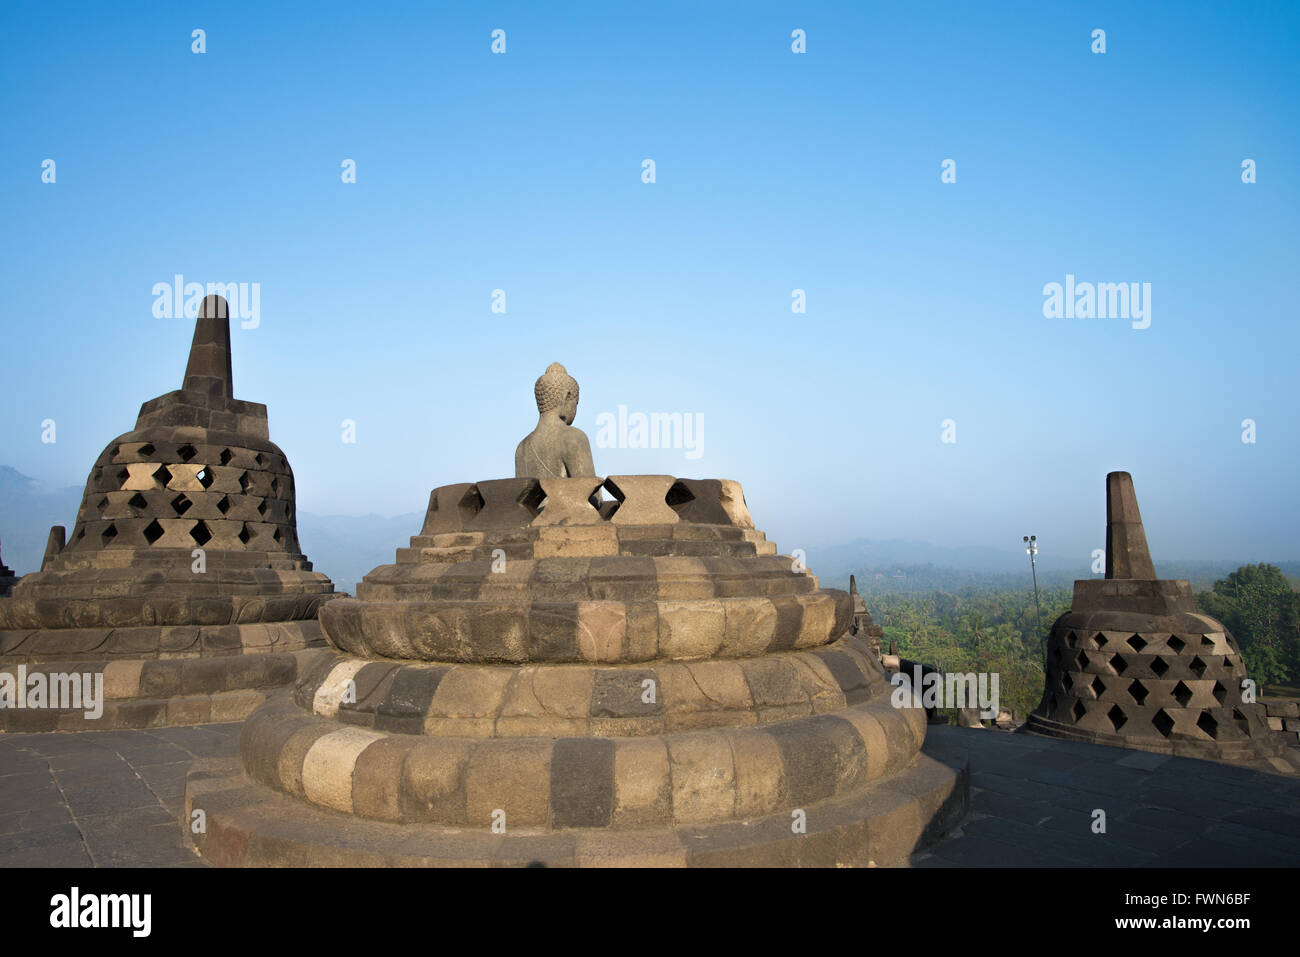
x: 555, y: 449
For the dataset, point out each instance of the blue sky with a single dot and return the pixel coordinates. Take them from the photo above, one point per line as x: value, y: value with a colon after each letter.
x: 775, y: 171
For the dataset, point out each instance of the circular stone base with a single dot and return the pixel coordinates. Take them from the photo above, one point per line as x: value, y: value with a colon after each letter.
x: 1258, y: 754
x: 246, y: 824
x: 156, y: 692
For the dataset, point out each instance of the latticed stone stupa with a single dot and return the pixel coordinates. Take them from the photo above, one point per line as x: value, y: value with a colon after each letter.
x: 182, y: 583
x: 548, y: 677
x: 1133, y: 664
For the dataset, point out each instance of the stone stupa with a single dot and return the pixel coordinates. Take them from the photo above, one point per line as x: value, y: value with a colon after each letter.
x: 547, y: 677
x: 7, y: 578
x: 1134, y: 664
x: 182, y: 584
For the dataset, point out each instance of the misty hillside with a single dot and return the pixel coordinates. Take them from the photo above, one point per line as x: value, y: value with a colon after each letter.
x: 27, y: 510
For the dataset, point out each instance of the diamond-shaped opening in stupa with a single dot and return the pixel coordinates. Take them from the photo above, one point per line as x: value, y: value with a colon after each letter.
x: 1117, y: 717
x: 1138, y: 691
x: 532, y: 497
x: 679, y: 496
x: 1242, y: 723
x: 471, y: 503
x: 1163, y: 722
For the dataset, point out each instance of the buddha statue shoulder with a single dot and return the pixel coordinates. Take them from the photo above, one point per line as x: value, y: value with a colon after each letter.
x: 555, y: 449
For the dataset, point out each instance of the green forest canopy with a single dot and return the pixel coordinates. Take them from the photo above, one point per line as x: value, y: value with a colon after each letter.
x: 995, y: 628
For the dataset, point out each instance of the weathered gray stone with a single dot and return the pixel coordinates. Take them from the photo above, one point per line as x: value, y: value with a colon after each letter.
x: 1133, y: 664
x: 185, y: 544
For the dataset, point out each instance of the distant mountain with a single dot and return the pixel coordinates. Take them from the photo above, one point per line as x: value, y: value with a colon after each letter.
x: 346, y: 547
x: 28, y: 508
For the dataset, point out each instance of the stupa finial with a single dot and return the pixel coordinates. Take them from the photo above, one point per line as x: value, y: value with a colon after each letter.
x: 1127, y: 555
x: 208, y: 370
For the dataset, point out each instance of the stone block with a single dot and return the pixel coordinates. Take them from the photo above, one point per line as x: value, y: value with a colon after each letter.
x: 642, y: 499
x: 602, y: 631
x: 433, y: 781
x: 582, y: 782
x: 642, y: 783
x: 327, y: 768
x: 703, y: 777
x: 512, y: 776
x: 690, y: 629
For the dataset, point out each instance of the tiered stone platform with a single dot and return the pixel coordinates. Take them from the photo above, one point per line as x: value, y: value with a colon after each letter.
x: 1134, y: 665
x: 546, y: 677
x: 183, y: 583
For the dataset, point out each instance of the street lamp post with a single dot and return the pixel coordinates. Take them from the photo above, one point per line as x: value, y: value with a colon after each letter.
x: 1031, y: 549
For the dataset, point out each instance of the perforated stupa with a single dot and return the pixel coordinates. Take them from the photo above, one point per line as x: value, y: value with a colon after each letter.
x: 182, y: 582
x: 1135, y: 665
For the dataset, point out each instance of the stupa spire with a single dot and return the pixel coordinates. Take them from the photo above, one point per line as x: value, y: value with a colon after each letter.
x: 208, y: 370
x: 1127, y: 555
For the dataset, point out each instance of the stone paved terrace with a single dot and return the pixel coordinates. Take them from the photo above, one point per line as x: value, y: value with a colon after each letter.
x: 101, y: 798
x: 111, y: 798
x: 1032, y: 800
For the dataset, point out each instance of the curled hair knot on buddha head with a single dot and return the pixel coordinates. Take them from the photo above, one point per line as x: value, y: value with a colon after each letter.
x: 554, y: 385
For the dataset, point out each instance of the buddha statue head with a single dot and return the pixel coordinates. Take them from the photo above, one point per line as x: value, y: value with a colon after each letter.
x: 556, y: 391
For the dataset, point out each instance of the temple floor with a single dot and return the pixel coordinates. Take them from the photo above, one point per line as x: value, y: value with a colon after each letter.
x: 113, y: 798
